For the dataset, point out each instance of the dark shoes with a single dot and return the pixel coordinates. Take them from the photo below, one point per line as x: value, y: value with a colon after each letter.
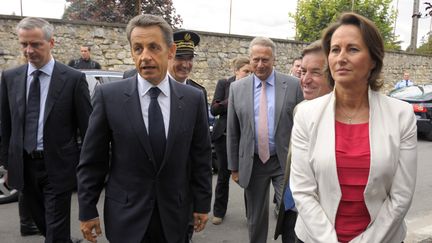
x: 76, y: 240
x: 29, y: 229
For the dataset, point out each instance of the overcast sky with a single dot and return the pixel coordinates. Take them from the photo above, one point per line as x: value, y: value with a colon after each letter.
x: 248, y: 17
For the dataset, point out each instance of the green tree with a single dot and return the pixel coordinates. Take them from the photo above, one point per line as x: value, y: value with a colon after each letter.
x: 313, y: 16
x: 426, y: 46
x: 116, y: 11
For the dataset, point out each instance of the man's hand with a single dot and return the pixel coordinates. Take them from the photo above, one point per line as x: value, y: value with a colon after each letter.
x: 235, y: 176
x: 87, y: 228
x: 200, y: 220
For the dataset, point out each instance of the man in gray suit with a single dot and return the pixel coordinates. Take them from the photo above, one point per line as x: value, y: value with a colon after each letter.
x: 260, y: 119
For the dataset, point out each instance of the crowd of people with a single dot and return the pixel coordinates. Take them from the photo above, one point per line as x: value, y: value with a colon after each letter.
x: 341, y: 156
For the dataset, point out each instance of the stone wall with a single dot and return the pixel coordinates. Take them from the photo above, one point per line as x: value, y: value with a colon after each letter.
x: 111, y: 49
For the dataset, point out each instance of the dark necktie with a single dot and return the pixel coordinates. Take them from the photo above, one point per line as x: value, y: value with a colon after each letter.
x: 156, y: 126
x: 32, y: 114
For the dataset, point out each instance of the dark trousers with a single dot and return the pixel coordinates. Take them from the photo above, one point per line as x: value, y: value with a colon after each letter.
x: 24, y: 212
x: 50, y: 210
x: 222, y: 186
x: 154, y: 233
x: 288, y: 234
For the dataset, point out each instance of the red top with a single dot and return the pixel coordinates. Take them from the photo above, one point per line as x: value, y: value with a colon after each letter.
x: 353, y: 162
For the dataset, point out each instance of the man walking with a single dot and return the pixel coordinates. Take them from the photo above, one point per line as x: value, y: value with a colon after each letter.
x: 43, y: 104
x: 260, y: 120
x: 157, y: 131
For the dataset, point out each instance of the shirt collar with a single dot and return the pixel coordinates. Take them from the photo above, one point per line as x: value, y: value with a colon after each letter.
x: 146, y: 85
x: 184, y: 82
x: 270, y: 80
x: 46, y: 69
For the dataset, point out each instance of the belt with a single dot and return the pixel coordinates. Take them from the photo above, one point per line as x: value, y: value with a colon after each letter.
x: 36, y: 154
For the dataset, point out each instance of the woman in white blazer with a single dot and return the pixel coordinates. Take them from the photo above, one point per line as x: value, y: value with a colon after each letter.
x: 354, y: 151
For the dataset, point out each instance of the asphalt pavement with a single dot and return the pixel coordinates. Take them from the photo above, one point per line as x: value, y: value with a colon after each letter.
x: 234, y: 228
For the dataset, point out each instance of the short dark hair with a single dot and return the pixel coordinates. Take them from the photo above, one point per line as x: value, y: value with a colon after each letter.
x: 88, y: 47
x: 371, y: 37
x: 145, y: 20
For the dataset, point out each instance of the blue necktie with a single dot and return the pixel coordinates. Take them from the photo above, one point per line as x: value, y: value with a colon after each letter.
x: 156, y: 126
x: 32, y: 114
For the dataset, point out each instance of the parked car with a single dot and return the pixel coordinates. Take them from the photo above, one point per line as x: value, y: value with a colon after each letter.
x: 96, y: 77
x: 420, y: 96
x: 7, y: 194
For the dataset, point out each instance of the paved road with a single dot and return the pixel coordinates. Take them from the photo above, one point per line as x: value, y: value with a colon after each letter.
x: 233, y: 229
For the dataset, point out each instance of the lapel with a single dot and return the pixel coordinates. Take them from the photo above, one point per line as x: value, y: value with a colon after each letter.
x: 177, y: 112
x: 58, y: 80
x: 20, y: 82
x: 132, y: 106
x: 248, y: 87
x: 280, y: 92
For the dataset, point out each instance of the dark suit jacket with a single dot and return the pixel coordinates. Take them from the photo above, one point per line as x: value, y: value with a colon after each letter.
x: 67, y: 109
x: 134, y: 183
x: 200, y: 87
x: 129, y: 73
x: 219, y: 107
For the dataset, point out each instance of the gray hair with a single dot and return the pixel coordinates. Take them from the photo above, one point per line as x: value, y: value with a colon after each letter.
x: 146, y: 20
x: 30, y: 23
x: 262, y: 41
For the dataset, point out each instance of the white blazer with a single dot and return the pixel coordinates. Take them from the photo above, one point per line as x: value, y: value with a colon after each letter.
x: 393, y: 168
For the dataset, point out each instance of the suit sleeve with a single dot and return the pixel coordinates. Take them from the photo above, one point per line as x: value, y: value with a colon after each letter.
x: 233, y: 133
x: 94, y: 160
x: 219, y: 104
x: 83, y: 106
x: 304, y: 186
x: 200, y: 154
x: 398, y: 201
x: 5, y: 122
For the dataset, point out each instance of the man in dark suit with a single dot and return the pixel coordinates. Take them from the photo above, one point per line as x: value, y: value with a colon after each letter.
x: 159, y: 164
x: 260, y: 119
x: 179, y: 69
x: 43, y: 104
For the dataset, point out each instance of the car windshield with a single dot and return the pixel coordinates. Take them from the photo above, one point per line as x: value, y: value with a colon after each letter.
x: 414, y: 93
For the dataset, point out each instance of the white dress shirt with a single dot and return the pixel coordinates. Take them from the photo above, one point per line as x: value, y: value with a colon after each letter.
x: 164, y: 100
x: 44, y: 80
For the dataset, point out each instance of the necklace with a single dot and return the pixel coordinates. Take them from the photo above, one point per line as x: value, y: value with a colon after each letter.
x: 350, y: 117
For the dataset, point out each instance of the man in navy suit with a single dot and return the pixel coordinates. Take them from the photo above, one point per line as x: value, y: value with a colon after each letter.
x: 43, y: 104
x: 149, y: 190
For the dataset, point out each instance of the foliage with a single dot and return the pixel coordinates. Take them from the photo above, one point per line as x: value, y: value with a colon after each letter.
x: 426, y: 46
x: 313, y: 16
x: 116, y: 11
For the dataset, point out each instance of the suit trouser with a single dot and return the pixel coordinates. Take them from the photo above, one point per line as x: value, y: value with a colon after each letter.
x: 257, y: 196
x: 155, y: 232
x: 288, y: 233
x: 222, y: 187
x: 50, y: 210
